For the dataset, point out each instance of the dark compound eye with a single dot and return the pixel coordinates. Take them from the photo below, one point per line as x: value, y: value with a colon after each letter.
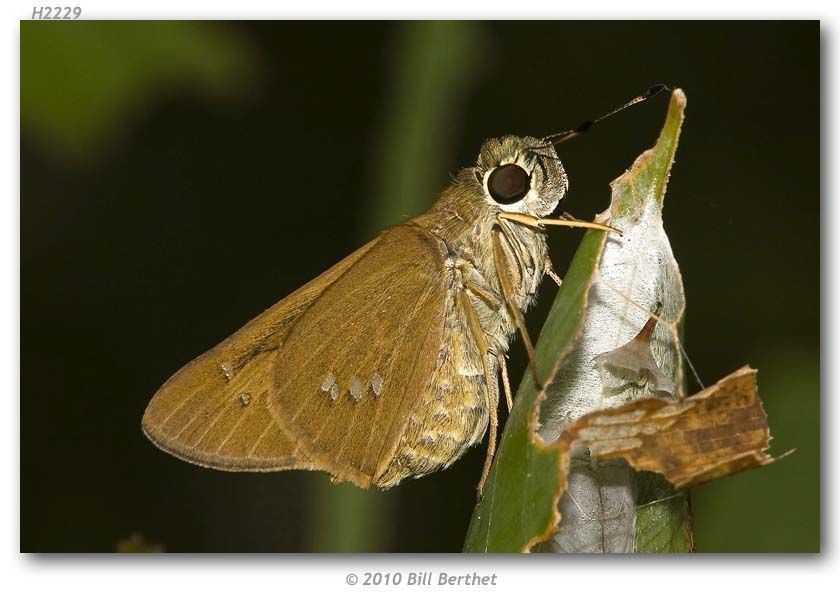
x: 508, y: 184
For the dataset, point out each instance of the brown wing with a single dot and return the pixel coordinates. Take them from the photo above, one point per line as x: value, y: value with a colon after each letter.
x: 214, y: 411
x: 353, y: 368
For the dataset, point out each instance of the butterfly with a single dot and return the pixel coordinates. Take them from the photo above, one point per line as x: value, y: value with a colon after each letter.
x: 385, y: 366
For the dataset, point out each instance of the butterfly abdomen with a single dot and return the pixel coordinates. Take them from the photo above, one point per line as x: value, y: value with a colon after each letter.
x: 453, y: 411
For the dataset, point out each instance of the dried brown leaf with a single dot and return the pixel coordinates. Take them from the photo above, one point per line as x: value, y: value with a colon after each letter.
x: 717, y: 432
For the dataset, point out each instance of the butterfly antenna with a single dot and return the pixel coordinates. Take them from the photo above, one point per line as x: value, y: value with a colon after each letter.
x: 558, y: 138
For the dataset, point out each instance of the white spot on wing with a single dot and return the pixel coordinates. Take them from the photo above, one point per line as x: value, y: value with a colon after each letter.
x: 329, y: 381
x: 469, y: 370
x: 356, y: 389
x: 227, y: 369
x: 245, y: 399
x: 334, y: 391
x: 376, y: 384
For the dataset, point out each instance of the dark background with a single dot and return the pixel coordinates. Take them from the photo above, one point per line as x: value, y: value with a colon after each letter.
x: 178, y: 178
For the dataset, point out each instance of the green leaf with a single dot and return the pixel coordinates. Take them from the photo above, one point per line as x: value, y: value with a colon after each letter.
x: 663, y: 520
x: 519, y: 498
x: 609, y: 290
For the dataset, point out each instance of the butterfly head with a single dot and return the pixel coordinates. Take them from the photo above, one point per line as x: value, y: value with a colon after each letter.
x: 520, y: 174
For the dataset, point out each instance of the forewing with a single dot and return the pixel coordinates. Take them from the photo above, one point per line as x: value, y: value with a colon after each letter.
x: 353, y: 368
x: 214, y: 411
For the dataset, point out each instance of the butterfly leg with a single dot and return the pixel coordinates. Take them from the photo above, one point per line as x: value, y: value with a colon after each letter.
x: 549, y: 269
x: 493, y: 429
x: 478, y: 335
x: 505, y: 380
x: 495, y: 303
x: 485, y: 295
x: 507, y: 290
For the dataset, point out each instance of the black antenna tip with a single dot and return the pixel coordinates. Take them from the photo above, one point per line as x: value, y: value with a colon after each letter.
x: 652, y: 91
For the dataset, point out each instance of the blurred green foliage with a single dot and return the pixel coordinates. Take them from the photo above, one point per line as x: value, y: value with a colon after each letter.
x: 136, y: 543
x: 83, y: 81
x: 775, y: 508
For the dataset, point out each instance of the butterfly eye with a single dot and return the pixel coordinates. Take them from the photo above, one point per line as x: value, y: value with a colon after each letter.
x: 508, y: 183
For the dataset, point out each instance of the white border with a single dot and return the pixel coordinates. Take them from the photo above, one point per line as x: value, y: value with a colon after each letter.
x: 125, y: 577
x: 437, y: 9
